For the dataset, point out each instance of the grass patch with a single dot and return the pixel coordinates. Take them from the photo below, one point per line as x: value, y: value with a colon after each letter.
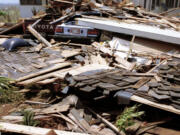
x: 7, y: 92
x: 127, y: 117
x: 10, y: 14
x: 28, y: 119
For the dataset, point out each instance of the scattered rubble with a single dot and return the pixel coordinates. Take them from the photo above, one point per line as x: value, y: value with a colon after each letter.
x: 78, y: 65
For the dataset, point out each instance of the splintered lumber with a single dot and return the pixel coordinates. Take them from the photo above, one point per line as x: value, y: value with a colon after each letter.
x: 58, y: 60
x: 141, y: 82
x: 11, y: 28
x: 75, y: 71
x: 88, y: 70
x: 36, y: 103
x: 10, y: 36
x: 70, y: 53
x: 67, y: 119
x: 162, y: 62
x: 71, y: 44
x: 54, y: 109
x: 46, y: 76
x: 29, y: 130
x: 139, y: 30
x: 93, y: 68
x: 15, y: 119
x: 153, y: 104
x: 77, y: 123
x: 139, y: 74
x: 64, y: 1
x: 162, y: 131
x: 47, y: 81
x: 109, y: 124
x: 53, y: 68
x: 80, y: 120
x: 102, y: 48
x: 38, y: 36
x: 34, y: 24
x: 61, y: 18
x: 125, y: 64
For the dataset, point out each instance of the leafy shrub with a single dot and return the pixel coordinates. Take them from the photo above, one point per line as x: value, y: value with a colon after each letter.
x: 127, y: 117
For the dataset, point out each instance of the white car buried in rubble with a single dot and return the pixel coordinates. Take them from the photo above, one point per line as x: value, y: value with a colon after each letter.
x: 71, y: 30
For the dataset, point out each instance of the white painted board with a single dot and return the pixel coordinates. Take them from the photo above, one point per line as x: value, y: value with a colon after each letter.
x: 139, y: 30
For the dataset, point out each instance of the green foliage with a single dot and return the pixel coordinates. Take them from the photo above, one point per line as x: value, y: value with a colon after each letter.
x: 10, y: 14
x: 127, y: 117
x: 7, y: 91
x: 2, y: 13
x: 28, y: 119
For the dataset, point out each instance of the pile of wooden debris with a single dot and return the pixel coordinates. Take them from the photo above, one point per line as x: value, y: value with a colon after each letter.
x: 75, y: 86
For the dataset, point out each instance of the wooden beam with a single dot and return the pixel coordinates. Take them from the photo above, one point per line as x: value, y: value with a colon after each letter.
x: 153, y: 104
x: 162, y: 62
x: 139, y: 30
x: 38, y: 36
x: 162, y: 131
x: 109, y: 124
x: 29, y: 130
x: 34, y: 24
x: 61, y: 18
x: 12, y: 28
x: 61, y: 73
x: 64, y: 1
x: 53, y: 68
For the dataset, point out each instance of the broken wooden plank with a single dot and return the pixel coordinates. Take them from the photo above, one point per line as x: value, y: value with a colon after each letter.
x: 139, y: 74
x: 58, y: 60
x: 102, y: 48
x: 162, y: 131
x: 64, y: 1
x: 34, y: 24
x: 17, y: 119
x: 71, y: 44
x: 89, y: 69
x: 38, y: 36
x: 162, y: 62
x: 36, y: 103
x: 62, y: 18
x: 41, y: 72
x: 57, y: 108
x: 67, y: 119
x: 46, y: 76
x: 130, y: 47
x: 47, y: 81
x: 153, y: 104
x: 141, y: 82
x: 29, y: 130
x: 38, y: 48
x: 80, y: 120
x: 139, y: 30
x: 12, y: 28
x: 11, y: 36
x: 70, y: 53
x: 77, y: 123
x: 109, y: 124
x: 125, y: 64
